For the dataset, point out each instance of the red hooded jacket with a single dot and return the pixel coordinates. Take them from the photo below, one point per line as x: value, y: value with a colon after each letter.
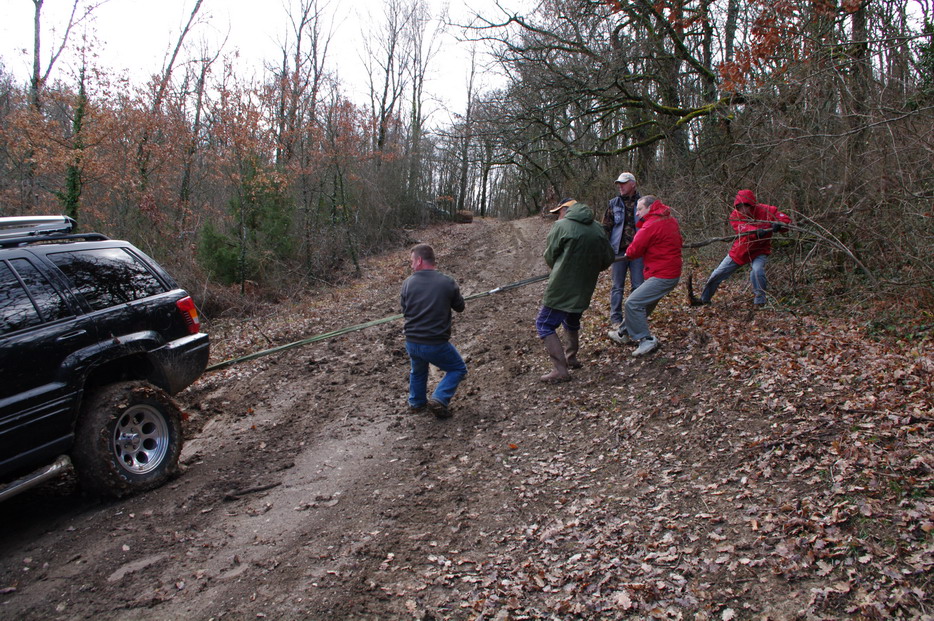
x: 658, y: 241
x: 756, y: 216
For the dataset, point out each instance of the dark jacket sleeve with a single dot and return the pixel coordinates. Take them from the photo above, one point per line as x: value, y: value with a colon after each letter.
x: 608, y: 219
x: 553, y: 245
x: 608, y: 255
x: 457, y: 300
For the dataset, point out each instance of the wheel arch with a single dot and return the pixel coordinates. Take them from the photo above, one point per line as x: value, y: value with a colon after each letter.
x: 135, y: 367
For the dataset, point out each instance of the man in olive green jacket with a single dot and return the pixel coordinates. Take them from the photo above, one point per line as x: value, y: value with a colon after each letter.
x: 577, y: 251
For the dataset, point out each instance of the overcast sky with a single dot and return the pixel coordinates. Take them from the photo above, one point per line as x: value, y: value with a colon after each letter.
x: 136, y: 36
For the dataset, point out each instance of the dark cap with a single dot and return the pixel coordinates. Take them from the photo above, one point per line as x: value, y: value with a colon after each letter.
x: 565, y: 202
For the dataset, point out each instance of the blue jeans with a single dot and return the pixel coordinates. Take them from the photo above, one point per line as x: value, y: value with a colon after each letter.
x: 549, y: 319
x: 726, y: 269
x: 636, y: 278
x: 444, y: 356
x: 641, y: 303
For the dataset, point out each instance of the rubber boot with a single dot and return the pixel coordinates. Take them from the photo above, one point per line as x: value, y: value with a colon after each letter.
x: 570, y: 351
x: 556, y: 352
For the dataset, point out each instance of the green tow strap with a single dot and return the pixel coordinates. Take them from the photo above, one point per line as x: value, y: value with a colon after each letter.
x: 359, y: 326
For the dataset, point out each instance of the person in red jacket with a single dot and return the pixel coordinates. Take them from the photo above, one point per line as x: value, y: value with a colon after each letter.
x: 754, y: 223
x: 658, y: 242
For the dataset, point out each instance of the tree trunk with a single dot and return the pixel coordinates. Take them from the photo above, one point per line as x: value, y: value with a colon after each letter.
x: 74, y: 174
x: 36, y: 81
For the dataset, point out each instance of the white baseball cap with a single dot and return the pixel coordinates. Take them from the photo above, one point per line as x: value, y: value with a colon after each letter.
x: 626, y: 177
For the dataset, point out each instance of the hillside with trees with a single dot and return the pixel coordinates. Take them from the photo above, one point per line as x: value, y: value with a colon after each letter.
x: 280, y: 183
x: 763, y: 464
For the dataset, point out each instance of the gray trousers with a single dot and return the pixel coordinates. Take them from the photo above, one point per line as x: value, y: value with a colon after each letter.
x: 641, y: 302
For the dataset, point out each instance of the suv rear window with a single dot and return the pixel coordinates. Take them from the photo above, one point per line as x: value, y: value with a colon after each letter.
x: 107, y: 277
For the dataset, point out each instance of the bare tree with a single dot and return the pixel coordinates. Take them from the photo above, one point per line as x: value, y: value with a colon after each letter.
x: 467, y: 137
x: 297, y: 92
x: 300, y: 77
x: 143, y: 152
x: 386, y: 59
x: 424, y: 42
x: 595, y: 79
x: 204, y: 66
x: 40, y: 76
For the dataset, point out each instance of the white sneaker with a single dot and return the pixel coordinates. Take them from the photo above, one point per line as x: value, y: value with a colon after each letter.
x: 619, y: 335
x: 646, y: 346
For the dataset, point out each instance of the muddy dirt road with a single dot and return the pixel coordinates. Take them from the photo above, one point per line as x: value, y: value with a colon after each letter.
x: 305, y: 476
x: 310, y: 491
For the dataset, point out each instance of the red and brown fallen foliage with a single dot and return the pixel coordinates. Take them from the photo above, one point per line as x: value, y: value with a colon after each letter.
x: 760, y: 453
x: 801, y: 465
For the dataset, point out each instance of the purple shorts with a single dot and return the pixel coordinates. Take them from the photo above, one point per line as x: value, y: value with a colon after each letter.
x: 549, y: 319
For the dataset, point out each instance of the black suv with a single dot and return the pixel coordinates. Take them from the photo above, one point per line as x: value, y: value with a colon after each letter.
x: 94, y: 338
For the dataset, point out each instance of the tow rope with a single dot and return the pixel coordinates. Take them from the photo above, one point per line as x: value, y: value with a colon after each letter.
x: 359, y: 326
x: 376, y: 322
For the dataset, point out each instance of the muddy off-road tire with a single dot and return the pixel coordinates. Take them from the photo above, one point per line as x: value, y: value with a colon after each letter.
x: 129, y: 438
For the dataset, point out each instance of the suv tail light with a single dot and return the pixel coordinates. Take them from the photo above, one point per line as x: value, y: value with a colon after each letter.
x: 186, y: 306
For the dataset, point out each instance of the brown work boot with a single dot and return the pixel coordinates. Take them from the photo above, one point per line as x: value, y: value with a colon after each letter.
x: 556, y: 351
x: 439, y: 409
x: 570, y: 352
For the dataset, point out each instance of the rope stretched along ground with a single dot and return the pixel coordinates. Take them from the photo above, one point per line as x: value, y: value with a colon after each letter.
x: 359, y: 326
x: 376, y: 322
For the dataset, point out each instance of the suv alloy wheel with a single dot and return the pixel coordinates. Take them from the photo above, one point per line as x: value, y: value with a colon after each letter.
x: 129, y: 439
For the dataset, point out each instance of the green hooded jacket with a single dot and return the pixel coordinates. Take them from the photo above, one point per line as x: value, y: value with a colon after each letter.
x: 577, y: 251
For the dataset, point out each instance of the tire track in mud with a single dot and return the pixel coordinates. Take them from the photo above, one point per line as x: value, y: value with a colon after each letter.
x: 401, y: 508
x: 533, y: 501
x: 355, y: 486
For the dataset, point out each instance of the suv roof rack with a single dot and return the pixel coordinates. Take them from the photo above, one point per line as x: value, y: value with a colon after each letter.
x: 20, y: 230
x: 25, y: 226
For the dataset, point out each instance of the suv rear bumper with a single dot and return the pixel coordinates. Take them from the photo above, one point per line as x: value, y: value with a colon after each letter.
x: 183, y: 360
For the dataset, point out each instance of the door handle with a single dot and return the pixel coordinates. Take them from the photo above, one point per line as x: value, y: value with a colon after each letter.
x: 71, y: 335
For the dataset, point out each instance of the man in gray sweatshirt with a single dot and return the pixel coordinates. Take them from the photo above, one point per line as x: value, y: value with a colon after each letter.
x: 428, y: 296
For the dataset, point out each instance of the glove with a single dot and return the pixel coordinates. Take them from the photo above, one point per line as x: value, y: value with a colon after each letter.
x: 760, y: 233
x: 777, y: 227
